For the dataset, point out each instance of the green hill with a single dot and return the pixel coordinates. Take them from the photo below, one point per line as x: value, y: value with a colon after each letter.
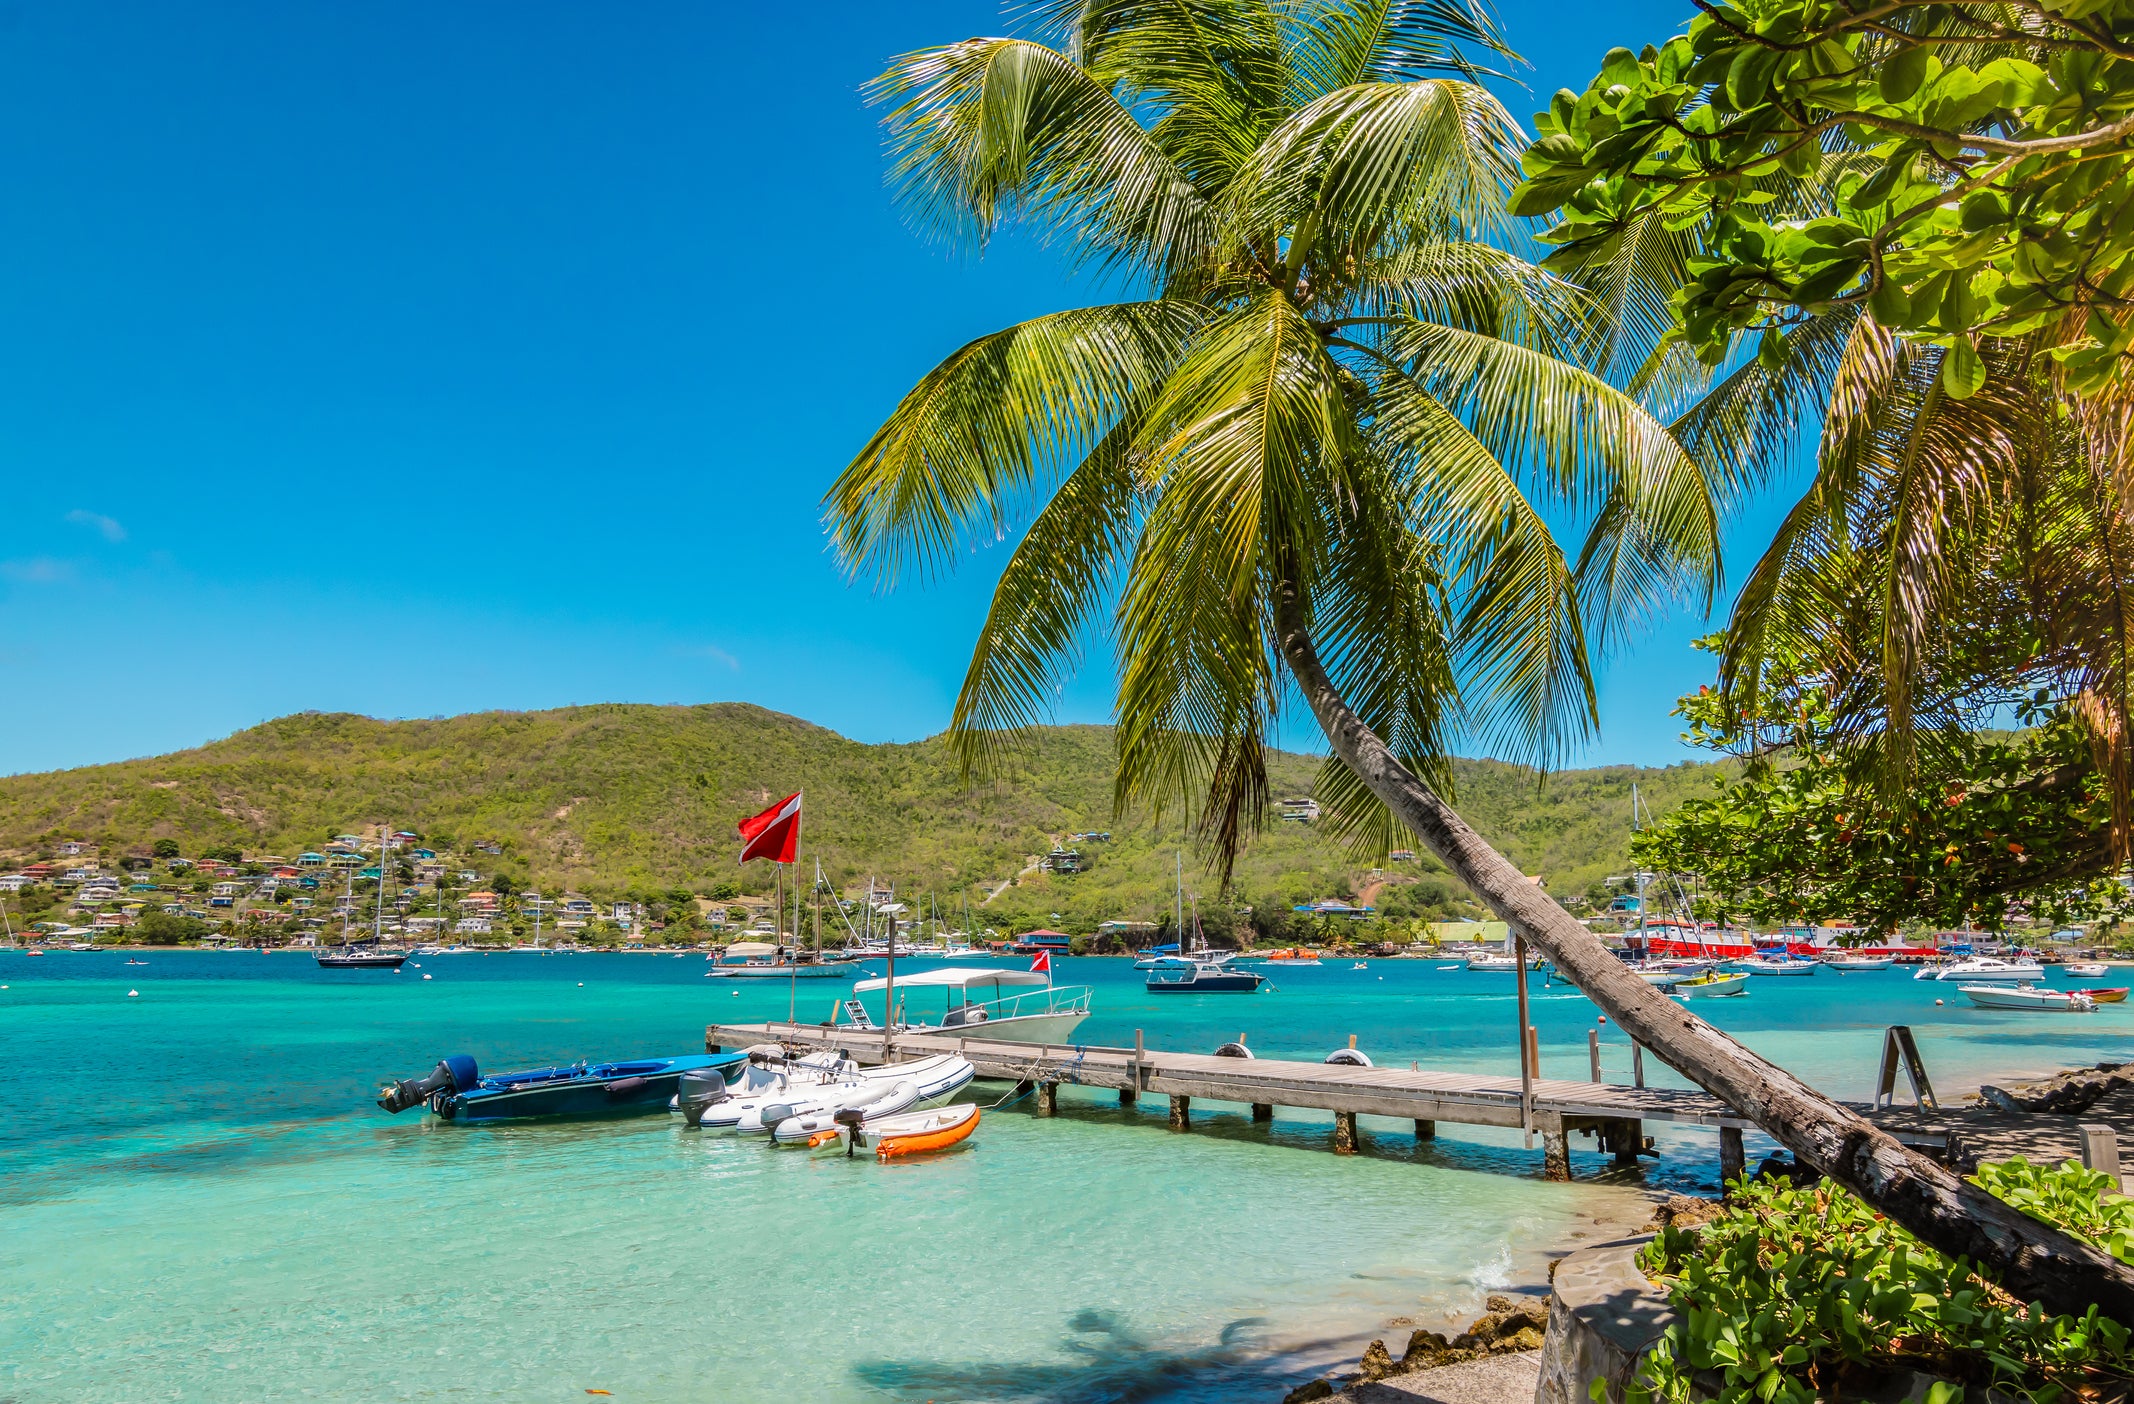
x: 615, y: 798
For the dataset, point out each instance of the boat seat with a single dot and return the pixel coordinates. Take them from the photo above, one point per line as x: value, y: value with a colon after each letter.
x: 856, y: 1015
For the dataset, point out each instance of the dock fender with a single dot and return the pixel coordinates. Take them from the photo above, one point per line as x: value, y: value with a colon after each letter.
x: 625, y: 1087
x: 1236, y: 1050
x: 1350, y: 1058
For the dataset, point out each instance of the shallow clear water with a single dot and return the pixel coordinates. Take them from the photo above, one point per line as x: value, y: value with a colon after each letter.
x: 201, y: 1203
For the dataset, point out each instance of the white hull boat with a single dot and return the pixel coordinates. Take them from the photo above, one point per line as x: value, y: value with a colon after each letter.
x: 2087, y: 969
x: 1665, y: 979
x: 2029, y: 997
x: 976, y: 1008
x: 891, y: 1088
x: 806, y: 970
x: 906, y: 1095
x: 1848, y: 964
x: 1500, y: 965
x: 1983, y: 970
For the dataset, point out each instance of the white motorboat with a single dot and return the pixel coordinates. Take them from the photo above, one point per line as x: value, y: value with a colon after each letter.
x: 1710, y: 986
x: 938, y: 1081
x: 2087, y: 969
x: 2029, y: 997
x: 1658, y: 975
x: 1983, y: 970
x: 976, y: 1007
x: 1501, y: 964
x: 1691, y: 966
x: 1772, y: 965
x: 1846, y: 964
x: 825, y: 1083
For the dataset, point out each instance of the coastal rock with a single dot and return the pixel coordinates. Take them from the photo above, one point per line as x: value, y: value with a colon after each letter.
x: 1377, y: 1362
x: 1497, y: 1301
x: 1308, y: 1391
x: 1686, y: 1211
x: 2070, y: 1093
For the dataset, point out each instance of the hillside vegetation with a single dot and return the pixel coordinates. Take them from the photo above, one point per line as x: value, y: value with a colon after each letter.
x: 612, y: 798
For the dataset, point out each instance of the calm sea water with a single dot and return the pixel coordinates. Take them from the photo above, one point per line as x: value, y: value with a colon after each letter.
x: 200, y: 1202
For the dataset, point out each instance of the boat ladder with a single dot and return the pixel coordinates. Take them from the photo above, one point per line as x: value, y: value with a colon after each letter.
x: 856, y: 1015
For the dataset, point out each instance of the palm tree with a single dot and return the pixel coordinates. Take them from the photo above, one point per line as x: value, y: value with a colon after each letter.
x: 1317, y: 455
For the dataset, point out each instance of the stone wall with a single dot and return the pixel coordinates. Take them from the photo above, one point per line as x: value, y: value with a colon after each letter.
x: 1603, y: 1317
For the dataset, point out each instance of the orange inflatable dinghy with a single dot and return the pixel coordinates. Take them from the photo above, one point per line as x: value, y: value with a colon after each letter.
x: 916, y: 1132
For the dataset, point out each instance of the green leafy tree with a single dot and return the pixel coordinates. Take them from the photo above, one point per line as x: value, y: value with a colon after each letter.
x: 1804, y: 837
x: 1306, y: 458
x: 168, y: 929
x: 1982, y: 185
x: 166, y: 848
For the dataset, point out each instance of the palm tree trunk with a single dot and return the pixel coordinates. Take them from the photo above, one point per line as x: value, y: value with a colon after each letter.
x: 2030, y: 1258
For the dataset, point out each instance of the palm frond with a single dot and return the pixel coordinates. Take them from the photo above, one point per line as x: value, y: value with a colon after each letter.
x: 992, y: 425
x: 1340, y: 43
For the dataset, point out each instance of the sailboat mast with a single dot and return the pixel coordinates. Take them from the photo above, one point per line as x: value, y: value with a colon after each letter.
x: 1178, y: 899
x: 385, y: 836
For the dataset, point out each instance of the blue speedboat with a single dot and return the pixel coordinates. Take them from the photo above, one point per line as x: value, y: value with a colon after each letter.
x: 457, y: 1091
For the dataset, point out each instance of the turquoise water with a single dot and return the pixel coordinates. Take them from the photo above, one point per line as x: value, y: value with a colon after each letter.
x: 201, y: 1203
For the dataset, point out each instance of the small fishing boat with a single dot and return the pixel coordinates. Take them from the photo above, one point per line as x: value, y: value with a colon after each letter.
x: 1501, y: 964
x: 1360, y: 965
x: 1711, y: 985
x: 2087, y: 969
x: 2028, y: 997
x: 457, y: 1091
x: 2116, y: 994
x: 1772, y: 965
x: 1045, y: 1013
x: 1292, y: 955
x: 912, y: 1133
x: 1204, y: 978
x: 1850, y: 964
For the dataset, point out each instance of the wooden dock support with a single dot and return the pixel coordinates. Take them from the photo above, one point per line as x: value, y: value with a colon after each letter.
x: 1181, y: 1113
x: 1048, y: 1099
x: 2100, y: 1150
x: 1344, y: 1133
x: 1732, y: 1160
x: 1555, y: 1155
x: 1127, y: 1096
x: 1425, y: 1130
x: 1623, y: 1140
x: 1263, y: 1111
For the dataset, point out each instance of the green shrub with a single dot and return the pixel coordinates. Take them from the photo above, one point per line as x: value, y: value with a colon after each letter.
x: 1794, y: 1295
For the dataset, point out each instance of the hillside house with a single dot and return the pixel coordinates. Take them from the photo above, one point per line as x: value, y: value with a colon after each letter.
x: 471, y: 926
x: 38, y: 872
x: 285, y: 872
x: 269, y: 915
x: 1299, y: 811
x: 178, y: 865
x: 110, y: 921
x: 1062, y: 860
x: 428, y: 870
x: 577, y: 904
x: 227, y: 889
x: 1333, y: 907
x: 311, y: 860
x: 222, y: 901
x: 469, y: 875
x: 72, y: 849
x: 490, y: 847
x: 15, y: 882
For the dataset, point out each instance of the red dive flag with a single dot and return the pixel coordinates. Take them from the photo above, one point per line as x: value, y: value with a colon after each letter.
x: 1043, y: 964
x: 773, y: 834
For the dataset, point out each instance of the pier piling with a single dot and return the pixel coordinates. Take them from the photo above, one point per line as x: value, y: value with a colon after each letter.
x: 1127, y: 1096
x: 1555, y: 1154
x: 1048, y: 1099
x: 1732, y: 1160
x: 2100, y: 1149
x: 1344, y: 1133
x: 1425, y: 1130
x: 1181, y: 1113
x: 1263, y: 1111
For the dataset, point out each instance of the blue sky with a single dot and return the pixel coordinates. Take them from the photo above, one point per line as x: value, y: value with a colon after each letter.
x: 416, y: 359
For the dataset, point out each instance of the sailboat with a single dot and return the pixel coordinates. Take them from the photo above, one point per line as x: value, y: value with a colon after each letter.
x: 796, y: 965
x: 364, y: 955
x: 1198, y: 974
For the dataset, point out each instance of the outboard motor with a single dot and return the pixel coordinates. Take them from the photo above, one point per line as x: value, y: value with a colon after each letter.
x: 697, y: 1091
x: 851, y: 1118
x: 455, y: 1074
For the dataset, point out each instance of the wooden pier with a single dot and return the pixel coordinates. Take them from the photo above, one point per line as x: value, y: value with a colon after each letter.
x: 1551, y: 1109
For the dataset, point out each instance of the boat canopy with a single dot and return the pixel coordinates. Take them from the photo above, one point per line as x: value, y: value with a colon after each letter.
x: 958, y: 978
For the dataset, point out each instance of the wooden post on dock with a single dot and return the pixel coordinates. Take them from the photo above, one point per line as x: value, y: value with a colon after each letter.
x: 1344, y: 1133
x: 1526, y: 1063
x: 1733, y: 1161
x: 1048, y: 1099
x: 1637, y: 1064
x: 1593, y: 1051
x: 2100, y: 1150
x: 1181, y: 1113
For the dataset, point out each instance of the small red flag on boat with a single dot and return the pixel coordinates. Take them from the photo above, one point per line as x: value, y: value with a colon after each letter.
x: 1043, y: 964
x: 775, y: 833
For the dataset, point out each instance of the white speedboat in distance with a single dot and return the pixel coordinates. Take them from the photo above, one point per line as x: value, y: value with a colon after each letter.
x: 2087, y: 969
x: 1983, y: 970
x: 2029, y: 997
x: 1847, y: 964
x: 1501, y: 964
x: 975, y: 1006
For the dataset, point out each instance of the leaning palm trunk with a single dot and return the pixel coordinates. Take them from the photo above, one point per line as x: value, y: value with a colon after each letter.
x: 1945, y: 1211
